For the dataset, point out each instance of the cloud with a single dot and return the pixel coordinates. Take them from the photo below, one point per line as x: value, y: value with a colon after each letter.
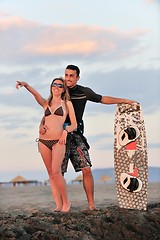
x: 151, y: 1
x: 18, y: 136
x: 154, y: 145
x: 80, y: 40
x: 34, y: 52
x: 99, y: 137
x: 26, y: 41
x: 141, y: 85
x: 4, y: 14
x: 134, y: 83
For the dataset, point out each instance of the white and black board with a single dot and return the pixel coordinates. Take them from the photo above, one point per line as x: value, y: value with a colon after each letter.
x: 130, y: 157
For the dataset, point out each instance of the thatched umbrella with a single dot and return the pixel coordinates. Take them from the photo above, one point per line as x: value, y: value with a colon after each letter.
x: 104, y: 179
x: 78, y: 179
x: 18, y: 180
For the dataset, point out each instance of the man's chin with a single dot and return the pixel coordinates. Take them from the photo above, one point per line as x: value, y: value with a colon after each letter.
x: 70, y: 85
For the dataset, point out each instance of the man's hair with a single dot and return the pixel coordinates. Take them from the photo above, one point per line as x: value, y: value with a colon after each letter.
x: 75, y: 68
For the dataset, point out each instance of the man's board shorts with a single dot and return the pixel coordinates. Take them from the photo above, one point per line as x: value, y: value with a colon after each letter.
x: 78, y: 160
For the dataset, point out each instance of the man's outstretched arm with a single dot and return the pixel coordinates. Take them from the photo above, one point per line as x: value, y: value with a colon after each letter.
x: 113, y: 100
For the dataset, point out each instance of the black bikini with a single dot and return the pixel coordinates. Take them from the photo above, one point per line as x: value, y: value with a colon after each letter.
x: 48, y: 143
x: 58, y: 112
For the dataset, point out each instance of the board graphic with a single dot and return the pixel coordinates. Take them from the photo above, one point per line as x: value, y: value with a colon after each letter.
x: 130, y: 157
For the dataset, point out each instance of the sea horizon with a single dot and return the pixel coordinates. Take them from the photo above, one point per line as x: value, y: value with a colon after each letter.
x: 42, y: 176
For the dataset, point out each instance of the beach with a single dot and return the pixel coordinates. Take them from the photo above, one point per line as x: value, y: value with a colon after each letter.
x: 25, y: 207
x: 26, y: 199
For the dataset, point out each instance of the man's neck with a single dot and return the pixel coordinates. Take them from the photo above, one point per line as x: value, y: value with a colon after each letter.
x: 71, y: 87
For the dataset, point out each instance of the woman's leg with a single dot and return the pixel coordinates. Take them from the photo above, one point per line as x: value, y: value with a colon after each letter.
x: 46, y: 154
x: 58, y: 153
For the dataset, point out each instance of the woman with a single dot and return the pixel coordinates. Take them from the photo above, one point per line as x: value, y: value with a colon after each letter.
x: 52, y: 143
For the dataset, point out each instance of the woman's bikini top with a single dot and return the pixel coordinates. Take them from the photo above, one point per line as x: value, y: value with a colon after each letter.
x: 58, y: 111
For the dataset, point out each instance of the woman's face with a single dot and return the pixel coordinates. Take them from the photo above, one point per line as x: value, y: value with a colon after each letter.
x: 57, y: 87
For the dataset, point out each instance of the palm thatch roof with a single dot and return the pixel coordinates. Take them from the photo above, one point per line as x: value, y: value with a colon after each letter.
x: 104, y: 178
x: 78, y: 179
x: 18, y: 179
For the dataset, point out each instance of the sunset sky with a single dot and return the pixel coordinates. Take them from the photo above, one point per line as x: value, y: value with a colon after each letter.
x: 115, y: 43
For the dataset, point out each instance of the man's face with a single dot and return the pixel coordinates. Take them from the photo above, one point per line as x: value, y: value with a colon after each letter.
x: 71, y: 78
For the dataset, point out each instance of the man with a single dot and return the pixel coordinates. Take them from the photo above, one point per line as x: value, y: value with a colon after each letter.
x: 76, y: 141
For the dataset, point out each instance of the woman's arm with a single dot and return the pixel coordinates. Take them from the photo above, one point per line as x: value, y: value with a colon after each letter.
x: 42, y: 101
x: 72, y: 117
x: 72, y: 126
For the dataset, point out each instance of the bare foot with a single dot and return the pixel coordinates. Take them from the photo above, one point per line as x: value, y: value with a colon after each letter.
x: 66, y: 207
x: 57, y: 209
x: 94, y: 209
x: 91, y: 209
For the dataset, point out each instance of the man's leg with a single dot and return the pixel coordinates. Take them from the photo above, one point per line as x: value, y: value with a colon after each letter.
x: 81, y: 162
x: 66, y: 158
x: 88, y: 184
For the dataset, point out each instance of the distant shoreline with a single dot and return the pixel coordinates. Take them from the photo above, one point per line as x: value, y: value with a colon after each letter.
x: 41, y: 176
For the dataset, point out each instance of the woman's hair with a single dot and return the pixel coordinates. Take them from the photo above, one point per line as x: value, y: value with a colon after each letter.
x: 65, y: 93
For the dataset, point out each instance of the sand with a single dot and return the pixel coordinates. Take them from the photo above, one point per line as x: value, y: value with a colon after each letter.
x: 28, y: 199
x: 26, y: 213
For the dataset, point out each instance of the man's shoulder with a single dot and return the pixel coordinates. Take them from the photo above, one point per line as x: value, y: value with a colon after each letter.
x: 85, y: 92
x: 90, y: 94
x: 83, y: 88
x: 80, y: 90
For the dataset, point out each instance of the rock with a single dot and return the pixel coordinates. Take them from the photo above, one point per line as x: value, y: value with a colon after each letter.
x: 112, y: 223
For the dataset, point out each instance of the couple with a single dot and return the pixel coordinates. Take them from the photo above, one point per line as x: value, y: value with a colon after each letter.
x: 57, y: 142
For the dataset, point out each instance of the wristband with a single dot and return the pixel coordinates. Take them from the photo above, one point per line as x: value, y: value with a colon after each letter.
x: 66, y: 130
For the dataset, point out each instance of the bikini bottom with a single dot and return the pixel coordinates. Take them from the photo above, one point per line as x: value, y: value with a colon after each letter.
x: 48, y: 143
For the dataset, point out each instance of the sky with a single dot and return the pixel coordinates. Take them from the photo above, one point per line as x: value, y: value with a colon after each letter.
x: 116, y: 44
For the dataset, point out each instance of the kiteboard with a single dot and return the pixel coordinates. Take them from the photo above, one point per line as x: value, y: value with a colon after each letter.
x: 130, y: 157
